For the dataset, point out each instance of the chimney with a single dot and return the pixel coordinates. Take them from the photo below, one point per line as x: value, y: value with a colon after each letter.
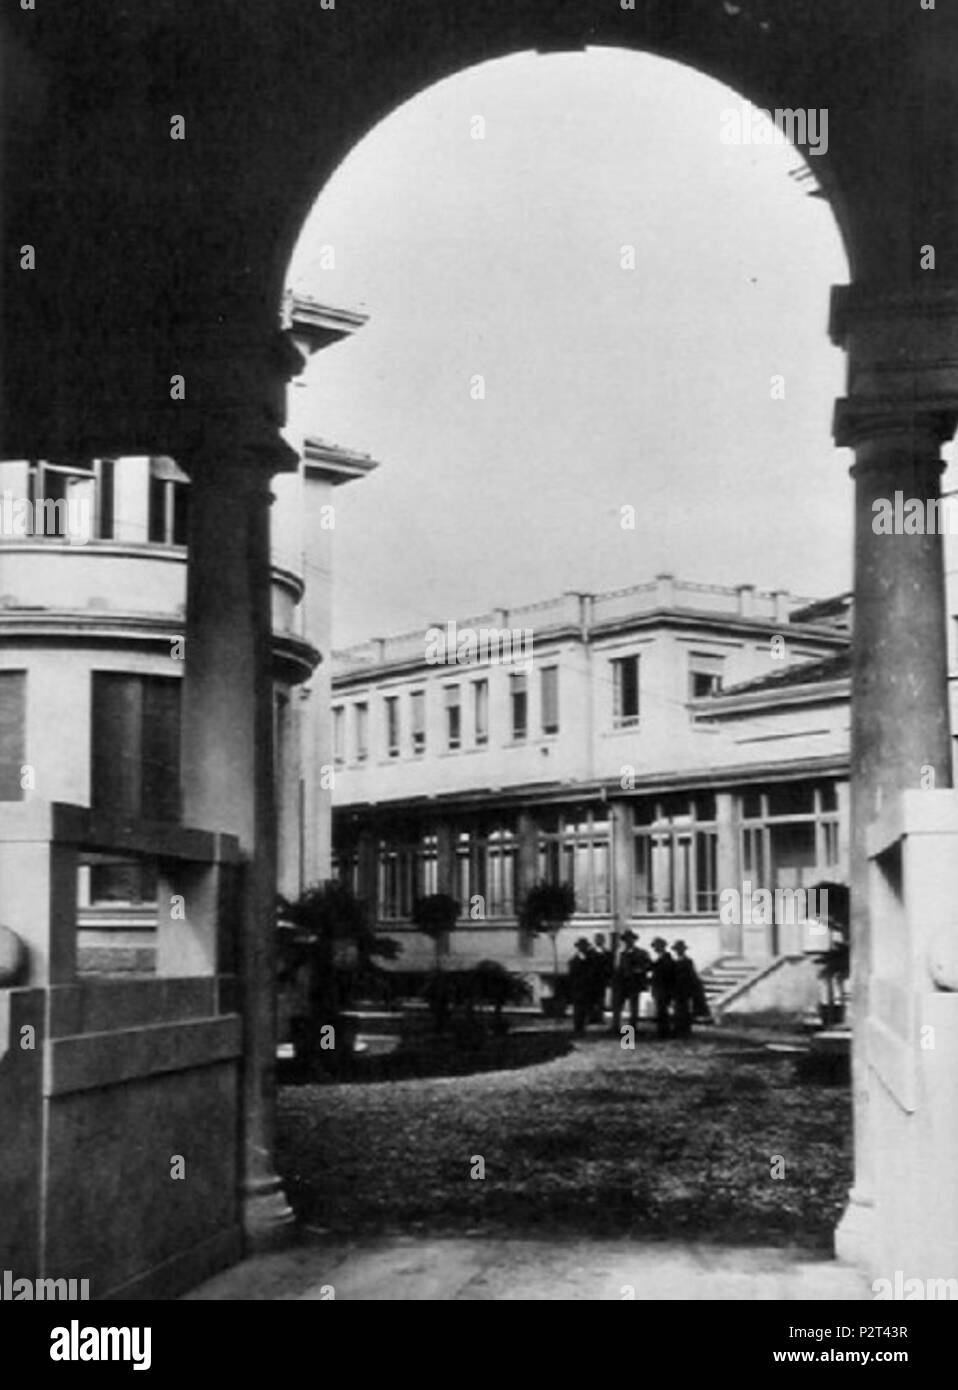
x: 782, y: 601
x: 746, y: 600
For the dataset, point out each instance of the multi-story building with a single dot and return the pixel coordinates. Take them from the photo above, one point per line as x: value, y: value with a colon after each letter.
x: 93, y: 559
x: 653, y: 747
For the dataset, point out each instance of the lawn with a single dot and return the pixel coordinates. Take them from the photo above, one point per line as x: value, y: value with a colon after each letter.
x: 671, y: 1139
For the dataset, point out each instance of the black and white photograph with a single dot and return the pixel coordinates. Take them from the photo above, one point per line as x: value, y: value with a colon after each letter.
x: 479, y: 666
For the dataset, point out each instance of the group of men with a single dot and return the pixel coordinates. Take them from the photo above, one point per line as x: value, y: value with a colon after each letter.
x: 671, y: 978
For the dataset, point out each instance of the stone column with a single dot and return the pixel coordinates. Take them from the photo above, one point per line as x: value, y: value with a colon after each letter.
x: 367, y: 854
x: 620, y: 814
x: 527, y: 873
x: 731, y: 941
x: 227, y: 765
x: 902, y: 403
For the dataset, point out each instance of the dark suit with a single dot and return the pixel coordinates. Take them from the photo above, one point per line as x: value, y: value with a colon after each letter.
x: 580, y: 987
x: 631, y: 978
x: 663, y: 981
x: 684, y: 993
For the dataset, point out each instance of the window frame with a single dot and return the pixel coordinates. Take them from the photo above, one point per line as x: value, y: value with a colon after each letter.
x: 620, y: 719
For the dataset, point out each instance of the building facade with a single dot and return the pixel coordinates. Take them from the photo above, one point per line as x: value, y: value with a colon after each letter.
x: 654, y: 747
x: 93, y: 571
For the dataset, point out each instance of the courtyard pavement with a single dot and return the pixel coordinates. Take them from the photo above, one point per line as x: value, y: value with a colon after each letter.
x: 484, y: 1268
x: 429, y: 1124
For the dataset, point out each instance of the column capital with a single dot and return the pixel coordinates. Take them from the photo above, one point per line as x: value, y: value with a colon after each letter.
x: 239, y: 448
x: 919, y: 428
x: 236, y: 397
x: 902, y: 346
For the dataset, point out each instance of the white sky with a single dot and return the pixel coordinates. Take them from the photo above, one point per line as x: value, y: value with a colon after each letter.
x: 604, y: 387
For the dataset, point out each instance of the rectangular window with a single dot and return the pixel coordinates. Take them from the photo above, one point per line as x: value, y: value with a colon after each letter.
x: 464, y: 873
x: 168, y: 503
x: 576, y: 848
x: 361, y: 731
x: 104, y: 499
x: 391, y: 708
x: 417, y: 721
x: 397, y: 872
x: 339, y: 735
x: 427, y: 867
x: 453, y: 718
x: 480, y: 691
x: 135, y: 756
x: 791, y: 835
x: 13, y: 751
x: 499, y: 872
x: 705, y: 675
x: 549, y: 691
x: 791, y: 799
x: 675, y: 856
x: 63, y: 501
x: 625, y: 692
x: 519, y: 690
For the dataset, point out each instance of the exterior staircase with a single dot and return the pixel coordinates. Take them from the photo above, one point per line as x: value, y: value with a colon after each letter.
x: 727, y: 978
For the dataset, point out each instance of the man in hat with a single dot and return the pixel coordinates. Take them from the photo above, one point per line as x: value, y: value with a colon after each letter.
x: 663, y: 978
x: 581, y: 976
x: 631, y: 978
x: 687, y: 992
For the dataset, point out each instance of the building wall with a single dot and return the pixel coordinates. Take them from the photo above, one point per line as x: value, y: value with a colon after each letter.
x: 588, y: 746
x: 622, y: 795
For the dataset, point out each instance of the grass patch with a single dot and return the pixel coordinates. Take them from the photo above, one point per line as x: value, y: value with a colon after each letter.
x: 674, y: 1139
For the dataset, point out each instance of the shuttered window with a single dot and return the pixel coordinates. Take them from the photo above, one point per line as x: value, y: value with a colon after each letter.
x: 13, y: 707
x: 135, y: 762
x: 417, y: 720
x: 550, y: 700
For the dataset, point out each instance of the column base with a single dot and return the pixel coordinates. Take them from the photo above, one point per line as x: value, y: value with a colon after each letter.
x: 268, y: 1220
x: 855, y: 1234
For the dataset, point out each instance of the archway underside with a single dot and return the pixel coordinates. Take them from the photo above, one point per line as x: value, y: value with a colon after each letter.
x: 157, y: 256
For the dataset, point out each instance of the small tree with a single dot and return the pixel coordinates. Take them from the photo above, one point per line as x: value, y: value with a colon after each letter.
x: 327, y: 931
x: 547, y: 908
x: 436, y: 916
x: 495, y: 985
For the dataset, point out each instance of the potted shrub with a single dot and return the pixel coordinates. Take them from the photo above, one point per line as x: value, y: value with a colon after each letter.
x: 327, y: 944
x: 496, y: 985
x: 835, y: 962
x: 547, y: 908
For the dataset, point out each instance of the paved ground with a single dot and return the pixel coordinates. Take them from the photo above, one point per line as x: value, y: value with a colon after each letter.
x: 672, y: 1140
x: 509, y: 1270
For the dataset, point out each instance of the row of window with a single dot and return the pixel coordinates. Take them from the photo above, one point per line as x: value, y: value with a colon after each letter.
x: 470, y: 704
x: 461, y: 705
x: 94, y: 487
x: 674, y: 866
